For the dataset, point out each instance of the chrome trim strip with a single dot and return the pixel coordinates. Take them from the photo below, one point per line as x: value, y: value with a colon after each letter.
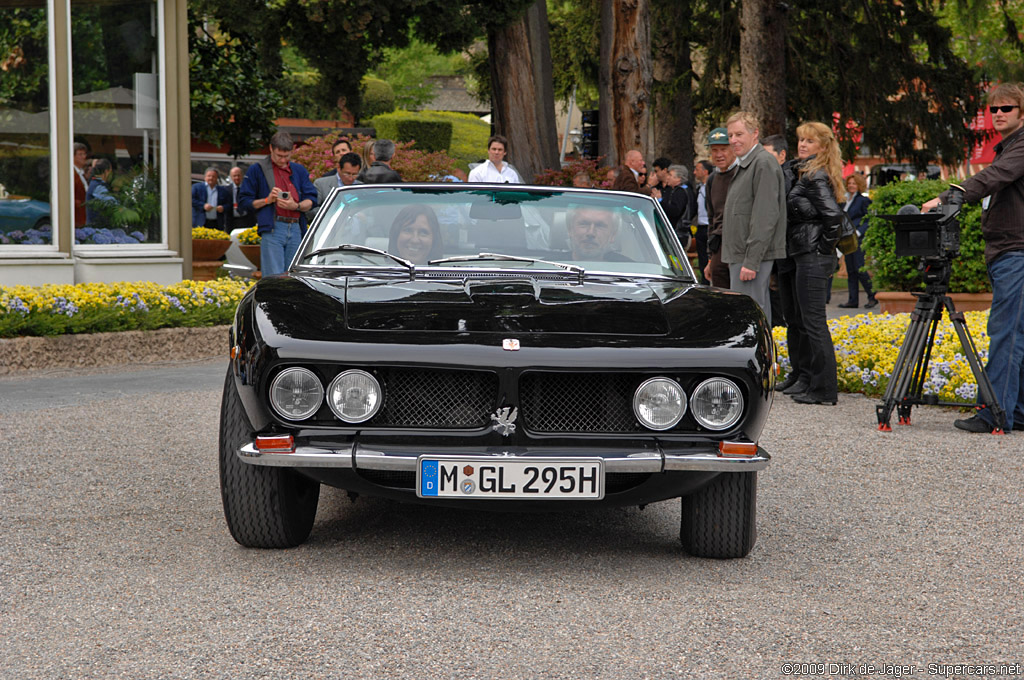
x: 310, y: 456
x: 709, y: 462
x: 304, y: 456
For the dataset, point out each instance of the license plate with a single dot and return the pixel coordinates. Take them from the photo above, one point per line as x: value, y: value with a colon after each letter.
x: 494, y: 477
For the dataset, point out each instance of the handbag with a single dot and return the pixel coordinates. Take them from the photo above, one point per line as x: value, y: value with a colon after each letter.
x: 848, y: 243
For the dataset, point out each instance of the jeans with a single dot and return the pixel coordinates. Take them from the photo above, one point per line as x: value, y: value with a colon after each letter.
x: 813, y: 277
x: 1005, y: 366
x: 278, y: 246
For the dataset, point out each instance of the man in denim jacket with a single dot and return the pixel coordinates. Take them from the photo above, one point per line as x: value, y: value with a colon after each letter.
x: 1000, y: 187
x: 280, y: 193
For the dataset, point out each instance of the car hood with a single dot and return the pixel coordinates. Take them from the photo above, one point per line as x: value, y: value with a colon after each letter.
x: 325, y: 309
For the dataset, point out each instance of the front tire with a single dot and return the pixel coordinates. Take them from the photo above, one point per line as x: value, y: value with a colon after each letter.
x: 265, y: 507
x: 720, y: 520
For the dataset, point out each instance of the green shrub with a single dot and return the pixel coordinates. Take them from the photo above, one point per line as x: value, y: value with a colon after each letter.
x: 893, y: 273
x: 469, y: 133
x: 429, y: 135
x: 378, y: 98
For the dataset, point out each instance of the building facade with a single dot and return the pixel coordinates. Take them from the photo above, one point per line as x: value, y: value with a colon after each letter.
x: 107, y: 79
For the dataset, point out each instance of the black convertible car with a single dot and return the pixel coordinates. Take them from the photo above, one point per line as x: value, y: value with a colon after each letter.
x: 498, y: 347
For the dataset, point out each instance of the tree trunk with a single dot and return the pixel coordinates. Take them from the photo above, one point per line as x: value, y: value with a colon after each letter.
x: 672, y: 67
x: 625, y: 79
x: 522, y: 95
x: 762, y: 64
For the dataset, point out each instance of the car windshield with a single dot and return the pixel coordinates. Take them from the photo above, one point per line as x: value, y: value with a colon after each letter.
x: 493, y: 227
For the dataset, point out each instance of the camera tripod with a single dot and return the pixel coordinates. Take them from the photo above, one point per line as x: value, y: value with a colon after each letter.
x: 911, y: 369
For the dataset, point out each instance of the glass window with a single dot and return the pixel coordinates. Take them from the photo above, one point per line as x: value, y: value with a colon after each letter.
x: 25, y: 218
x: 116, y: 109
x: 467, y: 226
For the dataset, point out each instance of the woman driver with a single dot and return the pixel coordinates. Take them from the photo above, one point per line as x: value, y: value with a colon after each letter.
x: 416, y: 235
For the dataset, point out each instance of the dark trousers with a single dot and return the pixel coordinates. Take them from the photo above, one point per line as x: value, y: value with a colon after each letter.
x: 856, y: 274
x: 719, y: 270
x: 213, y: 224
x: 702, y: 250
x: 796, y: 337
x: 241, y: 222
x: 812, y: 278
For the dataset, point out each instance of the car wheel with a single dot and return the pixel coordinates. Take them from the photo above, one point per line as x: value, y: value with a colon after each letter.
x: 265, y: 507
x: 720, y: 520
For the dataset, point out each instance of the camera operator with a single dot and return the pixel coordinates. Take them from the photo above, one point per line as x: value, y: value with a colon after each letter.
x: 1001, y: 186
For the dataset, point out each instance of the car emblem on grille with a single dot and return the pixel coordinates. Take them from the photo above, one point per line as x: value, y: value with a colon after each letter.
x: 510, y: 344
x: 504, y: 420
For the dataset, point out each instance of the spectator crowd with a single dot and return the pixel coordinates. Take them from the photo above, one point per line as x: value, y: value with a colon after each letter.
x: 761, y: 222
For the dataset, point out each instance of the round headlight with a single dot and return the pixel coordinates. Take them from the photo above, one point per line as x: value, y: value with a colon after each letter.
x: 355, y: 396
x: 717, y: 403
x: 296, y: 393
x: 659, y: 403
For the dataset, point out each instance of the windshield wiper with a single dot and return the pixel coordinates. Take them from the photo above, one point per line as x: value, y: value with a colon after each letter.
x: 355, y: 248
x: 512, y: 258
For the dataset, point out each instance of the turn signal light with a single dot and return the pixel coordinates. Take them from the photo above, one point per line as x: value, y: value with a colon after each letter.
x: 747, y: 449
x: 275, y: 444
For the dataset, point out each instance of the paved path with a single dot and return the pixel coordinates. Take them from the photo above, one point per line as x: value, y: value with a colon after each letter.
x: 115, y: 562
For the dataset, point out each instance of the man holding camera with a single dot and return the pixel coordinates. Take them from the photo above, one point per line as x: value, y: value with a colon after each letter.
x: 280, y: 193
x: 1000, y: 187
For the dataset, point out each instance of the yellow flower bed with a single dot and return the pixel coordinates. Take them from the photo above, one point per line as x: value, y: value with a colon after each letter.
x: 204, y: 234
x: 99, y: 307
x: 867, y: 345
x: 249, y: 237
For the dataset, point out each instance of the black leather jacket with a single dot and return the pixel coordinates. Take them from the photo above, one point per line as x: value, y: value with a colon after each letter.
x: 812, y: 214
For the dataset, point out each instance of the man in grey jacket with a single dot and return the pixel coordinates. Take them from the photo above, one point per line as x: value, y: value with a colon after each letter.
x: 754, y: 226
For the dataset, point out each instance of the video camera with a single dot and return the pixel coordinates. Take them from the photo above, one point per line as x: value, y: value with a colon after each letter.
x: 933, y: 236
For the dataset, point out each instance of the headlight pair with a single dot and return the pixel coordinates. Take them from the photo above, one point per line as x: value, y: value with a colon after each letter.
x: 660, y: 403
x: 354, y: 396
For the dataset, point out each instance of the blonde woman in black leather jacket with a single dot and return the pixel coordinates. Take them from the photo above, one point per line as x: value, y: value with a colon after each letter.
x: 813, y: 218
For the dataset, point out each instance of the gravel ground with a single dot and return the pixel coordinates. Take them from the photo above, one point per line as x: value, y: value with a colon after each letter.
x: 115, y: 562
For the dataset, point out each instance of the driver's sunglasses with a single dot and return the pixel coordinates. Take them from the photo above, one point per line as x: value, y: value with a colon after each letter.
x: 1003, y: 109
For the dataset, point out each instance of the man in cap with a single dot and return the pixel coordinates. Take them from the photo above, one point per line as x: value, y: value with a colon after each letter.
x: 715, y: 192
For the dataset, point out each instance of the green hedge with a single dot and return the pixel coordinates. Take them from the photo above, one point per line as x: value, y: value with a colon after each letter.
x: 429, y: 133
x: 893, y: 273
x: 469, y: 133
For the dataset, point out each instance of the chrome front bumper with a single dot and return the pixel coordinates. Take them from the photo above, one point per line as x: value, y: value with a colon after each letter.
x: 365, y: 459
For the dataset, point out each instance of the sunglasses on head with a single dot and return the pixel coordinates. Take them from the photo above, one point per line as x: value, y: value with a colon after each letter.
x: 1002, y: 109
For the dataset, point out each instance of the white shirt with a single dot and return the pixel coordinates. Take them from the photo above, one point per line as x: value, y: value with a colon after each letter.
x: 487, y: 172
x: 702, y: 206
x: 211, y: 199
x: 81, y: 176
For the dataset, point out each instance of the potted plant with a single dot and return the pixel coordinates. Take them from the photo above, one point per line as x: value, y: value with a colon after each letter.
x: 209, y: 244
x: 249, y: 243
x: 897, y: 277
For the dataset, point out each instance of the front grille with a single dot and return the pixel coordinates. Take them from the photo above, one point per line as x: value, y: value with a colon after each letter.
x: 436, y: 398
x: 578, y: 402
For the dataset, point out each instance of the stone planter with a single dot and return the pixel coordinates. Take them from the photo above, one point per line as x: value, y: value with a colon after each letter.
x: 252, y: 252
x: 896, y: 302
x: 206, y: 250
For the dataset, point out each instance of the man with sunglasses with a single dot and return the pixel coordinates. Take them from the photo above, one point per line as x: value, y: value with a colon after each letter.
x: 1000, y: 187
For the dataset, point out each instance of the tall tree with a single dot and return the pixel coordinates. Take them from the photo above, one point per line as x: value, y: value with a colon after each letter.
x: 228, y: 104
x: 882, y: 69
x: 762, y: 63
x: 625, y: 78
x: 523, y: 107
x: 672, y: 67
